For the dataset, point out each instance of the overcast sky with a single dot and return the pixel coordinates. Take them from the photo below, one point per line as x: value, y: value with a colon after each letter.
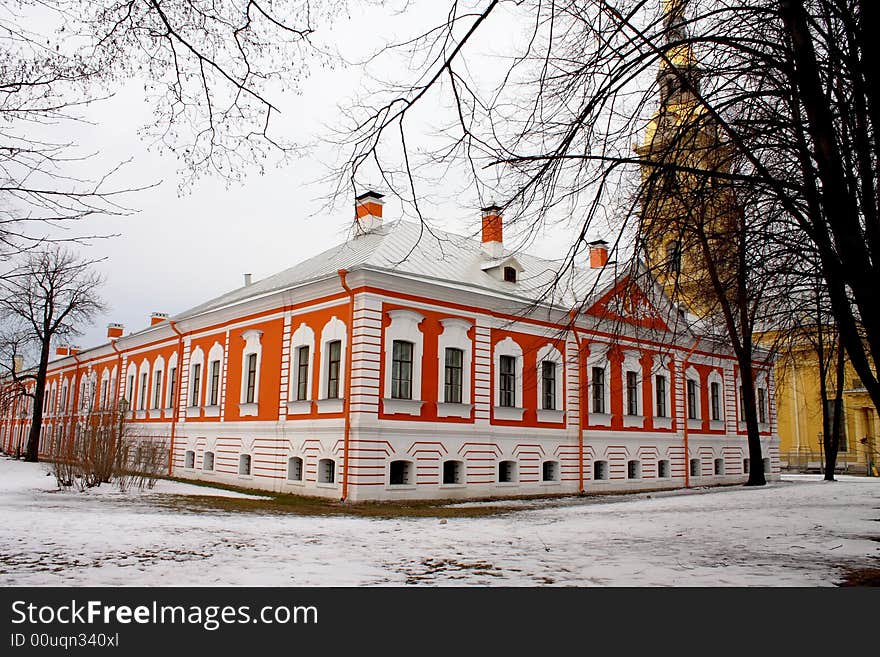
x: 182, y: 248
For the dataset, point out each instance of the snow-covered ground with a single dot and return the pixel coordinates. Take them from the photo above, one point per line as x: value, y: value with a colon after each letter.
x: 799, y: 532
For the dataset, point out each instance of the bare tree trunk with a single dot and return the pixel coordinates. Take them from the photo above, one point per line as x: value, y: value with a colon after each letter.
x: 32, y: 452
x: 831, y: 437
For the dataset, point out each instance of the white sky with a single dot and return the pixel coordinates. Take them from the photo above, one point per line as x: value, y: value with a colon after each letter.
x: 179, y: 250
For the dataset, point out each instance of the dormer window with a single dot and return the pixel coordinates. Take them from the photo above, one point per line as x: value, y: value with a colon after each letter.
x: 510, y: 274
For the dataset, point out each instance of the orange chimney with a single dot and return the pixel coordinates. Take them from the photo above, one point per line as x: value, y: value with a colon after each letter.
x: 157, y: 318
x: 493, y: 231
x: 598, y: 254
x: 62, y: 350
x: 114, y: 331
x: 74, y: 351
x: 368, y: 211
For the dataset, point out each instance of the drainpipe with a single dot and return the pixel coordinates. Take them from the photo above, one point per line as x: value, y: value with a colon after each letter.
x: 683, y: 376
x: 347, y: 401
x: 572, y: 314
x: 174, y: 404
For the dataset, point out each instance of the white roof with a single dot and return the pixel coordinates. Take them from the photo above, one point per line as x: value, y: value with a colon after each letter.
x: 413, y: 250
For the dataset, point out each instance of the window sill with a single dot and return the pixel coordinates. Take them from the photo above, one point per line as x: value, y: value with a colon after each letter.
x: 331, y: 406
x: 445, y: 409
x: 245, y: 477
x: 634, y: 421
x: 453, y: 485
x: 299, y: 407
x: 695, y: 424
x: 400, y: 487
x: 323, y: 484
x: 208, y: 472
x: 294, y: 482
x: 193, y: 411
x: 212, y: 411
x: 550, y: 415
x: 662, y: 422
x: 600, y: 419
x: 507, y: 484
x: 168, y: 412
x: 402, y: 406
x: 716, y: 425
x: 248, y: 410
x: 508, y: 413
x: 550, y: 483
x: 140, y: 415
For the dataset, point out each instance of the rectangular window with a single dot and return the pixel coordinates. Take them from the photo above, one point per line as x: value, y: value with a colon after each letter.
x: 130, y: 391
x: 632, y: 393
x: 742, y: 406
x: 597, y: 386
x: 143, y: 400
x: 302, y: 372
x: 401, y: 369
x: 692, y: 399
x: 157, y: 391
x: 660, y: 393
x: 548, y: 385
x: 172, y: 386
x: 453, y: 377
x: 214, y: 389
x: 196, y: 384
x: 715, y: 397
x: 104, y: 385
x: 334, y: 357
x: 250, y: 390
x: 506, y: 381
x: 762, y: 407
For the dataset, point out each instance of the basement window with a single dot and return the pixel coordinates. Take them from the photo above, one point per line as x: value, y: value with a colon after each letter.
x: 507, y: 472
x: 745, y: 466
x: 719, y: 466
x: 327, y: 471
x: 550, y: 471
x: 663, y: 469
x: 600, y: 470
x: 190, y: 460
x: 294, y: 469
x: 400, y: 473
x: 452, y: 472
x: 695, y: 467
x: 510, y: 274
x: 208, y: 463
x: 633, y: 469
x: 244, y: 464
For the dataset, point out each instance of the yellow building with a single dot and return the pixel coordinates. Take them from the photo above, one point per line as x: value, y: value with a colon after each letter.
x: 799, y: 416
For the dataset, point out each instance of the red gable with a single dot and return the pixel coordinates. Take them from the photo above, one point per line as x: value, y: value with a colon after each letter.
x: 626, y: 302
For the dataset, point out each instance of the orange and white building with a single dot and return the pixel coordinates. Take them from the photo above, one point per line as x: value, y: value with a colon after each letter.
x: 408, y: 364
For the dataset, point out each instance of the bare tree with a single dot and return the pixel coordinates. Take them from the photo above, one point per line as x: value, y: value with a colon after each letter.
x: 775, y: 99
x: 209, y: 68
x: 44, y: 299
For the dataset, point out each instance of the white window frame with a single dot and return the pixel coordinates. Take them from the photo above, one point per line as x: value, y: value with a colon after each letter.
x: 104, y: 399
x: 215, y: 354
x: 599, y: 358
x: 558, y: 471
x: 455, y: 336
x: 302, y: 470
x: 334, y: 329
x: 252, y: 345
x: 158, y: 369
x: 462, y: 473
x: 762, y: 381
x: 662, y: 367
x: 411, y: 466
x: 194, y: 406
x: 716, y: 377
x: 169, y: 402
x: 303, y: 336
x: 404, y: 326
x: 143, y: 404
x: 549, y: 353
x: 250, y: 473
x: 516, y: 474
x: 507, y: 347
x: 632, y: 363
x: 696, y: 422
